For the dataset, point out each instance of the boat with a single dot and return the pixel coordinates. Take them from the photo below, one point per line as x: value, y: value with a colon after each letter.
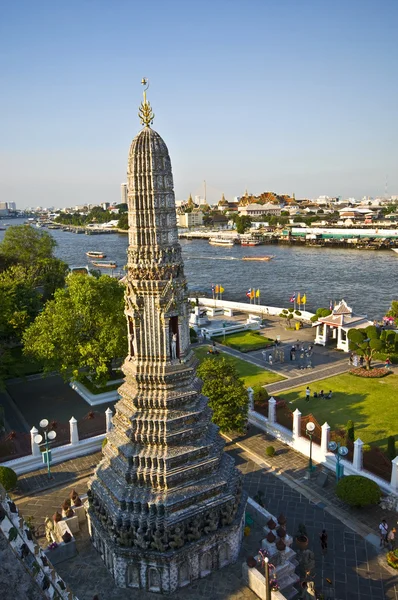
x: 395, y: 250
x: 218, y: 241
x: 105, y: 264
x: 92, y: 254
x: 54, y: 227
x: 262, y: 258
x: 250, y: 243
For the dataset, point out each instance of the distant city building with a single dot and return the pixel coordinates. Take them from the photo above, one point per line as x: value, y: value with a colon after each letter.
x: 11, y: 206
x: 105, y: 205
x: 123, y: 193
x: 258, y: 210
x: 192, y: 219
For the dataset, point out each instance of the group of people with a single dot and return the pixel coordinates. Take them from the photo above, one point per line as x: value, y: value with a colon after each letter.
x: 301, y: 350
x: 387, y: 536
x: 320, y: 394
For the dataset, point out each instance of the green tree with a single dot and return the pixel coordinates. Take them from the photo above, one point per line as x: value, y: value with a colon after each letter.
x: 350, y: 430
x: 26, y: 246
x: 243, y: 223
x: 366, y: 343
x: 82, y: 328
x: 320, y: 312
x: 20, y: 303
x: 123, y: 222
x: 227, y: 395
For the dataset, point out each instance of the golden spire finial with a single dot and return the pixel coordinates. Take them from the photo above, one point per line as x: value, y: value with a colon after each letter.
x: 145, y: 111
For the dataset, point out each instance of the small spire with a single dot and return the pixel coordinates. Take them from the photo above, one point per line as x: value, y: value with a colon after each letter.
x: 145, y: 111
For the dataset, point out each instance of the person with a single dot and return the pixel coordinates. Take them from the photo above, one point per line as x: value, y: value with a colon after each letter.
x: 350, y: 359
x: 388, y: 363
x: 324, y: 540
x: 361, y: 361
x: 321, y: 394
x: 307, y: 394
x: 270, y: 359
x: 315, y: 394
x: 329, y: 395
x: 265, y: 355
x: 383, y: 530
x: 391, y: 538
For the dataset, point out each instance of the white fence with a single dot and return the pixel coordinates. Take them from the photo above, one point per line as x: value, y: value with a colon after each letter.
x: 259, y: 309
x: 320, y: 454
x: 75, y: 448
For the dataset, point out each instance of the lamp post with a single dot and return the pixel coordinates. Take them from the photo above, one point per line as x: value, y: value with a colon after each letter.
x: 339, y: 452
x: 310, y: 428
x: 49, y: 436
x: 266, y: 575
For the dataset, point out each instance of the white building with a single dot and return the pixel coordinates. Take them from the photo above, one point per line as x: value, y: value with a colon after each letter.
x: 337, y: 325
x: 258, y: 210
x: 192, y: 219
x: 123, y: 193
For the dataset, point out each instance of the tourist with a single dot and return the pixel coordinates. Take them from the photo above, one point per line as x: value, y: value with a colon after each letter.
x: 324, y: 541
x: 383, y: 530
x: 361, y: 361
x: 307, y: 394
x: 270, y: 359
x: 388, y: 363
x: 329, y: 395
x: 265, y: 355
x: 321, y: 394
x: 355, y: 360
x: 391, y: 538
x: 350, y: 359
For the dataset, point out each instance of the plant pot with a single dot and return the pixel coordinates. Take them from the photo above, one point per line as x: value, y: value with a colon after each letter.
x: 302, y: 542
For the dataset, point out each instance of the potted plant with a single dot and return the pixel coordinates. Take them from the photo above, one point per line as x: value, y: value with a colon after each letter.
x: 302, y: 537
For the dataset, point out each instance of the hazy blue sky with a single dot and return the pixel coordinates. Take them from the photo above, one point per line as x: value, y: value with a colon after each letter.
x: 283, y: 95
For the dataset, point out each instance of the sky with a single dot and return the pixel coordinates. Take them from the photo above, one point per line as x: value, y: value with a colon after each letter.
x: 266, y: 95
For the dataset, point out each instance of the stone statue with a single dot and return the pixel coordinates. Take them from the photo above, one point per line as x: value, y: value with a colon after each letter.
x: 194, y: 530
x: 49, y: 529
x: 174, y: 346
x: 177, y: 537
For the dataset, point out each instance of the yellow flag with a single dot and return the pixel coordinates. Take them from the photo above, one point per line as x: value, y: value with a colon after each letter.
x: 298, y: 300
x: 304, y: 299
x: 217, y: 289
x: 221, y: 289
x: 258, y: 293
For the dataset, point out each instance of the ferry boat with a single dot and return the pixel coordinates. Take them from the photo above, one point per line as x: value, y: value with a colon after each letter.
x: 250, y: 243
x: 105, y: 264
x: 92, y: 254
x: 219, y: 241
x: 262, y: 258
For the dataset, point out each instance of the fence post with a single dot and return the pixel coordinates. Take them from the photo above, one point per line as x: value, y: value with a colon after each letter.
x: 109, y: 425
x: 357, y: 460
x: 271, y: 410
x: 296, y: 424
x: 74, y: 432
x: 394, y: 474
x: 325, y: 436
x: 34, y: 446
x: 250, y: 393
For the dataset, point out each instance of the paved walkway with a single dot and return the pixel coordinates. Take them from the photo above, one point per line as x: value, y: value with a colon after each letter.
x: 353, y: 564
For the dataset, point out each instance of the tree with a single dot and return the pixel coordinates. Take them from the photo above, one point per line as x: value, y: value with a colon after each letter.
x: 320, y: 312
x: 243, y: 223
x: 350, y: 430
x: 123, y: 222
x: 33, y: 251
x: 26, y: 246
x: 227, y: 395
x: 82, y: 328
x: 393, y: 312
x: 20, y: 303
x: 366, y: 343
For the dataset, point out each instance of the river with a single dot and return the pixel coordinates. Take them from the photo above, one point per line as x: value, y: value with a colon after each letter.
x: 365, y: 279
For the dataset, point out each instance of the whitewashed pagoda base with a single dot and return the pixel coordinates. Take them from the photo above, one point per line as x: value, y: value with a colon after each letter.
x: 165, y: 572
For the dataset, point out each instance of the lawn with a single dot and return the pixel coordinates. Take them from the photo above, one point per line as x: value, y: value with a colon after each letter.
x: 251, y: 374
x: 245, y: 341
x: 371, y: 403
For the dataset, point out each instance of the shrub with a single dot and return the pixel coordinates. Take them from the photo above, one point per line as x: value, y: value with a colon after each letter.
x: 350, y: 433
x: 270, y: 451
x: 392, y: 558
x: 382, y: 356
x: 298, y: 313
x: 8, y: 478
x: 104, y: 442
x: 391, y: 449
x: 260, y: 395
x: 366, y: 448
x: 358, y: 491
x: 193, y: 336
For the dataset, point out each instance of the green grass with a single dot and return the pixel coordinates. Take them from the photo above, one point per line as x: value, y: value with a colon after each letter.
x: 251, y: 374
x: 245, y: 341
x: 371, y: 403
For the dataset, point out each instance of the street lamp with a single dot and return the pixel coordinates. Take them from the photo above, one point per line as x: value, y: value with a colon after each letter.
x: 310, y: 428
x: 339, y: 452
x: 266, y: 574
x: 49, y: 436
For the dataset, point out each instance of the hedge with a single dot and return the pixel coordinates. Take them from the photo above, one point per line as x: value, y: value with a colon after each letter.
x: 358, y: 491
x: 8, y: 478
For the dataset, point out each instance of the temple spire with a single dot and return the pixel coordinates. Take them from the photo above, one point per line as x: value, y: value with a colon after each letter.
x: 145, y: 110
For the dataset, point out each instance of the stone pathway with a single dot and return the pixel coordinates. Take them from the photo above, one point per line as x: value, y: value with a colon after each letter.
x: 309, y: 376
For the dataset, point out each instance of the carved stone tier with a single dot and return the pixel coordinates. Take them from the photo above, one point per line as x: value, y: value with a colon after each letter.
x: 166, y: 503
